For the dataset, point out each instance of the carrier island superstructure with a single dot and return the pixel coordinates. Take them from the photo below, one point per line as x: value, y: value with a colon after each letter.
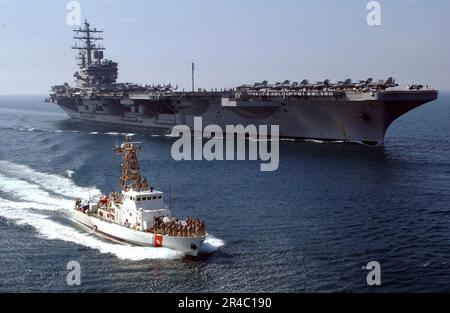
x: 344, y: 111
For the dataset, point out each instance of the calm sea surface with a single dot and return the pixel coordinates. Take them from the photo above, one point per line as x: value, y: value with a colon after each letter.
x: 309, y: 227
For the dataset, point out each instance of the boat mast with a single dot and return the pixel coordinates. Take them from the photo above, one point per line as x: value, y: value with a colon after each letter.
x: 87, y: 36
x: 130, y: 177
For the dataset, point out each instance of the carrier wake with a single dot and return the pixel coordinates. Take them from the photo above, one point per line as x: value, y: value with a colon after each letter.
x: 344, y: 111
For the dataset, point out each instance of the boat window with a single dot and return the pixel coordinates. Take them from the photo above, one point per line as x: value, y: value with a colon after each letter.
x: 138, y: 199
x: 159, y: 197
x: 154, y: 197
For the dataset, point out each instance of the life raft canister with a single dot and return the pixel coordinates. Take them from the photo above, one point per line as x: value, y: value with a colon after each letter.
x: 158, y: 240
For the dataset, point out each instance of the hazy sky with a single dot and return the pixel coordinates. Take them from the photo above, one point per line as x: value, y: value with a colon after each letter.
x: 231, y: 41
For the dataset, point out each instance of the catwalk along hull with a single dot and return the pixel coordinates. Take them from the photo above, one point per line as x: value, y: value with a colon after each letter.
x: 187, y: 245
x: 325, y: 115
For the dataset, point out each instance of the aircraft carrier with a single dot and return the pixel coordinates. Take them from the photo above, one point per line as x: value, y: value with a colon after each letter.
x: 345, y: 111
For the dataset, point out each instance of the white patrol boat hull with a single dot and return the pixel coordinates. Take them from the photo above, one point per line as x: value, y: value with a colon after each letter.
x: 187, y: 245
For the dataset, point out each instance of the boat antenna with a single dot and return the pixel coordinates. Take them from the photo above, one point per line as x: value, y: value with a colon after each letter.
x: 193, y: 76
x: 170, y: 191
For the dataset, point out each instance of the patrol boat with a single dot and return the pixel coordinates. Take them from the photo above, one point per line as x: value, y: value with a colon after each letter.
x: 138, y: 214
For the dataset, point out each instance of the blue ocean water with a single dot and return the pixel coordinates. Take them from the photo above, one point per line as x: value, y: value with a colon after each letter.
x: 311, y: 226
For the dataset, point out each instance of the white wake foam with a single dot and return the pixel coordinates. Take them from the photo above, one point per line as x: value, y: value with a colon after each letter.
x: 211, y: 245
x: 25, y: 191
x: 35, y: 194
x: 112, y: 133
x: 70, y: 173
x: 21, y: 174
x: 119, y: 134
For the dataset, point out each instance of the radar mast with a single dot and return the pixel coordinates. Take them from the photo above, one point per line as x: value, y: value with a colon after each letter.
x: 88, y: 38
x: 131, y: 175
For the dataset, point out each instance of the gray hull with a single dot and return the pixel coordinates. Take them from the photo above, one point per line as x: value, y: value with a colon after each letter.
x: 345, y: 116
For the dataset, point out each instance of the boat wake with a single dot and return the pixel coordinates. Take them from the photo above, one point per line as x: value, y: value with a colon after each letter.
x: 28, y: 197
x: 58, y: 131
